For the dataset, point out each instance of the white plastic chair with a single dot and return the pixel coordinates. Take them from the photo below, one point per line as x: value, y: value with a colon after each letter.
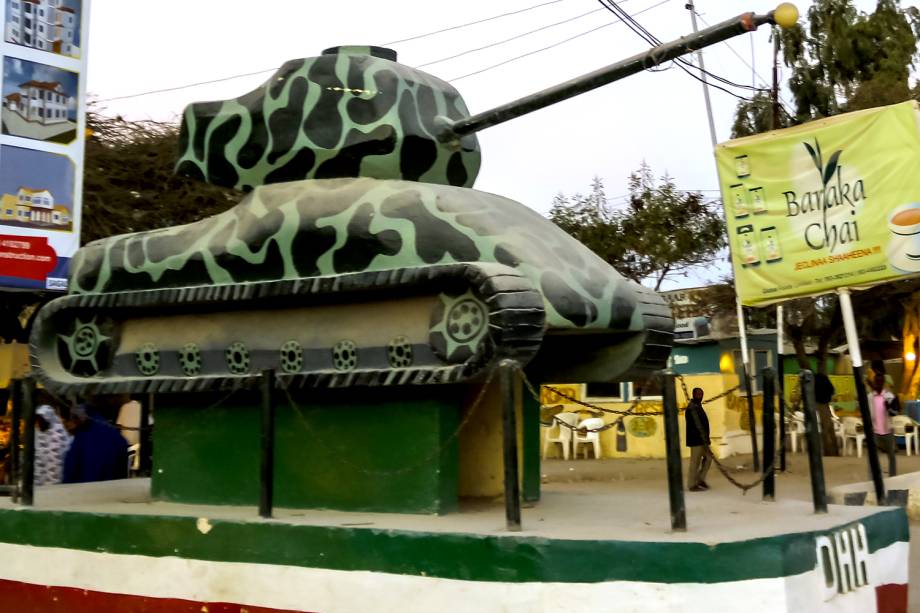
x: 852, y: 429
x: 906, y: 427
x: 797, y: 431
x: 838, y: 428
x: 563, y: 434
x: 588, y: 438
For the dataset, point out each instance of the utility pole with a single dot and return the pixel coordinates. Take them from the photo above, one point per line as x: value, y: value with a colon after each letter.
x: 742, y: 333
x: 699, y: 56
x: 774, y: 92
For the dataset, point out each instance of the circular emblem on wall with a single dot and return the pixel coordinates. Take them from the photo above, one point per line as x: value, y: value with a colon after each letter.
x: 642, y: 426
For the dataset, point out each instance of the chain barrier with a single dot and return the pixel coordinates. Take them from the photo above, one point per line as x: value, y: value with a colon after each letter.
x: 744, y: 487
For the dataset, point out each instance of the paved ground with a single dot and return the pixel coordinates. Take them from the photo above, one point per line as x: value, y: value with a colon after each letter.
x: 794, y: 484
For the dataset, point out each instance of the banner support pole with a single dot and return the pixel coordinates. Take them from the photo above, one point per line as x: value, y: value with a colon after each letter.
x: 781, y: 384
x: 849, y: 325
x: 745, y: 373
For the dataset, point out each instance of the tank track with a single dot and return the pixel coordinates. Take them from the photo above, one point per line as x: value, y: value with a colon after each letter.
x: 221, y: 337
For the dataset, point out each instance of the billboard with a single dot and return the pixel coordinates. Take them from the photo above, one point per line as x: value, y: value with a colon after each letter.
x: 42, y: 131
x: 829, y: 204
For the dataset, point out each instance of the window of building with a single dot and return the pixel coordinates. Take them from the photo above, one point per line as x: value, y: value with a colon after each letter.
x: 9, y: 211
x: 650, y: 389
x: 41, y: 29
x: 14, y: 5
x: 604, y: 391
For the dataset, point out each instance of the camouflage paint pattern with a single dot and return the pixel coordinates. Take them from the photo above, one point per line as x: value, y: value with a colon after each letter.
x: 350, y: 112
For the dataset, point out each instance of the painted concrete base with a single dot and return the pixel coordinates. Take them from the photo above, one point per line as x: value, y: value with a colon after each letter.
x: 901, y: 490
x: 116, y: 551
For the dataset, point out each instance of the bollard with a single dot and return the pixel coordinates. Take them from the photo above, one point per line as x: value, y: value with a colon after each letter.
x: 752, y: 417
x: 813, y: 441
x: 27, y: 491
x: 145, y: 436
x: 267, y: 472
x: 875, y: 468
x: 769, y: 434
x: 672, y: 451
x: 15, y: 418
x: 781, y: 384
x: 506, y: 369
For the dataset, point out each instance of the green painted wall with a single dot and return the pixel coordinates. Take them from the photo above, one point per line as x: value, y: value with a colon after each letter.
x: 700, y: 358
x: 514, y: 557
x: 374, y: 450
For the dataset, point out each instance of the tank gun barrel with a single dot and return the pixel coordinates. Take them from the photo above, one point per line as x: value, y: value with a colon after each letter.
x: 785, y: 15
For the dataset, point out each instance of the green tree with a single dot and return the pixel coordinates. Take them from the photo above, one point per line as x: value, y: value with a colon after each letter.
x: 841, y: 60
x: 659, y: 233
x: 129, y: 184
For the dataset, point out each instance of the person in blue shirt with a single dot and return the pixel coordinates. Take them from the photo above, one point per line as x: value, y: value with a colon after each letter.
x: 98, y: 451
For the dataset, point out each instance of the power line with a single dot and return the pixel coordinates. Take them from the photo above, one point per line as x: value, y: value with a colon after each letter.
x: 783, y: 102
x: 178, y: 87
x: 507, y: 40
x: 471, y: 23
x: 561, y: 42
x: 682, y: 63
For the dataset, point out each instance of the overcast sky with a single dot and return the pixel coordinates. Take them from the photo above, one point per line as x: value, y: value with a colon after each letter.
x: 657, y: 117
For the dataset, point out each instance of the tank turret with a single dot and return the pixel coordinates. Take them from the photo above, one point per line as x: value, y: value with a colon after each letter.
x: 360, y: 256
x: 353, y: 111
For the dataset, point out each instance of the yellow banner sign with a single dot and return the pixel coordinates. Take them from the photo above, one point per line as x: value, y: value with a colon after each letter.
x: 829, y: 204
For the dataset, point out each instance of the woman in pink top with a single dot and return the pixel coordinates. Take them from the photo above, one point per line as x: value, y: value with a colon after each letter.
x: 883, y: 404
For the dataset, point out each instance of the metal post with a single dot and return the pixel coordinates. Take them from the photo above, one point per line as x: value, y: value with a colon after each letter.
x: 774, y: 90
x: 746, y: 376
x: 813, y: 441
x: 267, y: 474
x: 672, y: 452
x: 506, y: 380
x: 849, y: 325
x: 28, y: 452
x: 781, y: 385
x: 699, y: 58
x: 145, y: 436
x: 769, y: 435
x: 15, y: 418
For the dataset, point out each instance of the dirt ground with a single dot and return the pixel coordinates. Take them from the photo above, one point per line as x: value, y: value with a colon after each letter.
x: 615, y: 474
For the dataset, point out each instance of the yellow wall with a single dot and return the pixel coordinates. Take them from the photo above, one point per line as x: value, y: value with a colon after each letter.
x: 725, y: 414
x: 14, y: 362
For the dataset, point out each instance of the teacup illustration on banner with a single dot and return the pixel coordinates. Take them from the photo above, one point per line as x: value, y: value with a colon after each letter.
x: 904, y: 247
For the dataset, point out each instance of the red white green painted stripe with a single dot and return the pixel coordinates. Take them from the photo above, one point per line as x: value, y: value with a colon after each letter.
x: 74, y: 562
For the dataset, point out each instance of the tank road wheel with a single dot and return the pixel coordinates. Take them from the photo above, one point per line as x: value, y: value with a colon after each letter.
x: 237, y: 358
x: 190, y: 359
x: 345, y: 355
x: 291, y: 357
x: 458, y: 326
x: 85, y: 351
x: 399, y: 351
x: 147, y: 359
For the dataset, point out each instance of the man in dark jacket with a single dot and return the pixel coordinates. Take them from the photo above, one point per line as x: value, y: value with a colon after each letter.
x: 98, y: 451
x: 697, y: 437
